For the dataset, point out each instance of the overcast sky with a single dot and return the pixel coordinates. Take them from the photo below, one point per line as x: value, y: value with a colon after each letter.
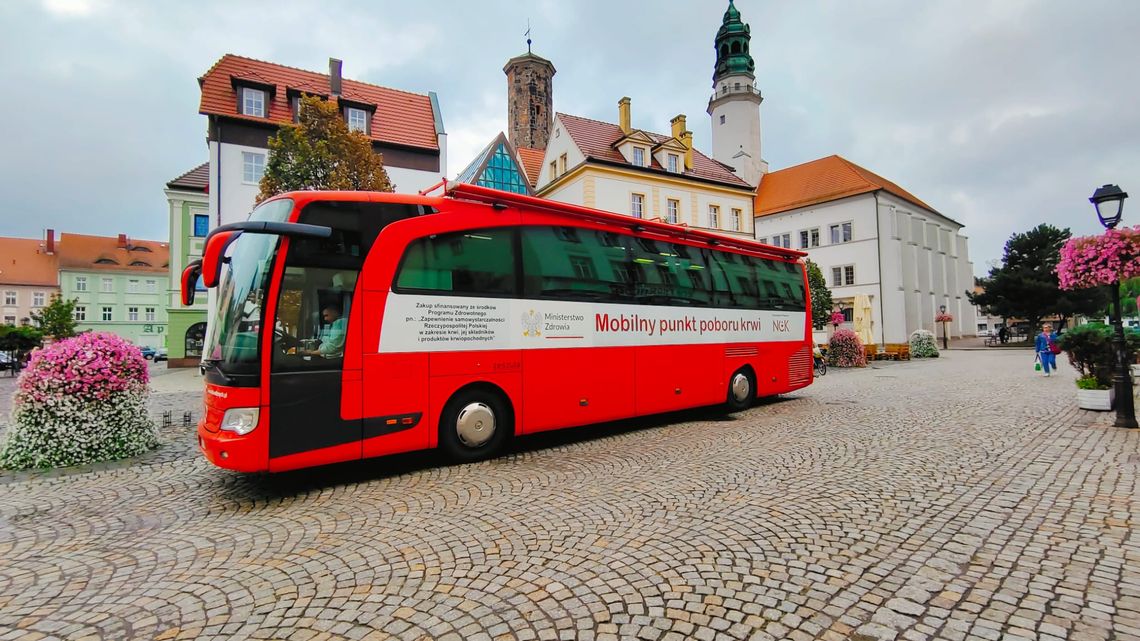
x: 1000, y: 114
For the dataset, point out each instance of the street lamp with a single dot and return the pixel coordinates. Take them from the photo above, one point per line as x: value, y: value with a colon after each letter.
x: 942, y: 312
x: 1109, y: 203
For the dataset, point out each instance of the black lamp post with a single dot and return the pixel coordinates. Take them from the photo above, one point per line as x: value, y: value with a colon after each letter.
x: 945, y: 344
x: 1109, y: 203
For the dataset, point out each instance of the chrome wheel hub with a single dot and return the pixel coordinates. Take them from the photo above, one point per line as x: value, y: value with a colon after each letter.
x: 475, y: 424
x: 740, y: 388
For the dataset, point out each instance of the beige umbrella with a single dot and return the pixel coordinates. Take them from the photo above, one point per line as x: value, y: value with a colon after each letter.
x: 862, y: 318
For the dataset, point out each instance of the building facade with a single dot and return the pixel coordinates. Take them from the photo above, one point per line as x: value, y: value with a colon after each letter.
x: 246, y: 101
x: 29, y: 277
x: 119, y: 285
x: 870, y: 236
x: 188, y: 208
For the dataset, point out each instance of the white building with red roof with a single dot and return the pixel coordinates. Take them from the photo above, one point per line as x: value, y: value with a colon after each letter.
x: 247, y: 100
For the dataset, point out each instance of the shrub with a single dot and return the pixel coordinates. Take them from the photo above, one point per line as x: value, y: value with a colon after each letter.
x: 846, y: 350
x: 1090, y: 351
x: 79, y: 401
x: 923, y: 345
x: 1089, y: 382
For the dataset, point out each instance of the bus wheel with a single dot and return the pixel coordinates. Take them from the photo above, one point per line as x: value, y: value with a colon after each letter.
x: 741, y: 390
x: 474, y: 425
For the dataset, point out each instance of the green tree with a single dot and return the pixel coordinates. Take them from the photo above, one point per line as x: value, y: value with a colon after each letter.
x: 57, y: 319
x: 19, y: 339
x: 1025, y: 284
x: 319, y: 152
x: 821, y: 302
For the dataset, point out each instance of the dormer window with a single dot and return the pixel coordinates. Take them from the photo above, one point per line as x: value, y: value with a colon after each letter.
x: 673, y: 158
x: 252, y: 102
x: 639, y: 156
x: 357, y: 119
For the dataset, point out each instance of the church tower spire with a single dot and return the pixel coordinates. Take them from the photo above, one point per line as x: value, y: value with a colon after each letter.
x: 735, y: 103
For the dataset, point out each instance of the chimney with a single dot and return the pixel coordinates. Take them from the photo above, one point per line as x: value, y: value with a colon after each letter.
x: 687, y: 140
x: 623, y: 115
x: 334, y: 76
x: 49, y: 247
x: 678, y: 124
x: 122, y: 241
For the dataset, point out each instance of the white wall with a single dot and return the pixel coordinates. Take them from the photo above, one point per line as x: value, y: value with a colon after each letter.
x: 232, y: 199
x: 559, y: 143
x: 741, y: 129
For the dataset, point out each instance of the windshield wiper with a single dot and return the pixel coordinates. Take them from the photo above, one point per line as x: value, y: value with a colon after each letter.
x: 214, y: 365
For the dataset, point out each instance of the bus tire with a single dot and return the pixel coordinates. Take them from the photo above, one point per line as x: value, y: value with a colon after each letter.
x: 741, y: 390
x: 474, y: 424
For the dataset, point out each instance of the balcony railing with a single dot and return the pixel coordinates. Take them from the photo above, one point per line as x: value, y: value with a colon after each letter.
x: 727, y: 90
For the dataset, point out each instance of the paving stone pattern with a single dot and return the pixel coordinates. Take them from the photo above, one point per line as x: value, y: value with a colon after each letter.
x: 957, y: 498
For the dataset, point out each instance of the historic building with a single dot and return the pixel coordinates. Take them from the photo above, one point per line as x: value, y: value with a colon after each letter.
x: 29, y: 277
x: 246, y: 101
x: 188, y: 208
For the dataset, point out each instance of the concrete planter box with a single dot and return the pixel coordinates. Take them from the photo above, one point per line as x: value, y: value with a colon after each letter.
x: 1095, y: 399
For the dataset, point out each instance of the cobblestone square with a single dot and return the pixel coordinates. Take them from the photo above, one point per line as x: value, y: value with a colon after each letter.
x: 963, y: 497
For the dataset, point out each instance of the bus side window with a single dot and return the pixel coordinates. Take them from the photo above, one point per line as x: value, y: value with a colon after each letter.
x: 572, y: 264
x: 478, y: 262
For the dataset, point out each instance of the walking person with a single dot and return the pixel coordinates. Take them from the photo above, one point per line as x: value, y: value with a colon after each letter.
x: 1047, y: 348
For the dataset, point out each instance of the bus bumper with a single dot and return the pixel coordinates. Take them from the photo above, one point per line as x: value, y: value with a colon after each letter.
x: 230, y: 451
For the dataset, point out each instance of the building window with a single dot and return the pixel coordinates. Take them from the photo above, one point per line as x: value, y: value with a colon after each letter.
x: 841, y: 276
x: 80, y: 283
x: 671, y: 207
x: 253, y: 167
x: 637, y: 205
x: 763, y: 240
x: 253, y: 102
x: 132, y: 313
x: 38, y: 299
x: 841, y: 233
x: 809, y: 238
x: 714, y: 217
x: 80, y: 313
x: 562, y: 164
x: 9, y: 320
x: 782, y: 240
x: 133, y: 286
x: 107, y: 285
x: 639, y: 156
x: 357, y: 119
x: 553, y: 169
x: 722, y: 120
x: 737, y: 216
x: 107, y: 313
x: 201, y: 225
x: 149, y: 317
x: 583, y: 267
x: 673, y: 163
x: 151, y: 286
x: 9, y: 298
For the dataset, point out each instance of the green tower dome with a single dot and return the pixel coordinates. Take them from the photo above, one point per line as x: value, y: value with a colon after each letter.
x: 732, y: 56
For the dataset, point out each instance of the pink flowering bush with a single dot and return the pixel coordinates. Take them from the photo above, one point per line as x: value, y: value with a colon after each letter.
x: 837, y: 318
x: 943, y: 317
x: 846, y: 350
x: 1093, y: 261
x: 79, y: 401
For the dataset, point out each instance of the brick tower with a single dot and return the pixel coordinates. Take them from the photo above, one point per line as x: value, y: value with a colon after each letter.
x: 530, y: 100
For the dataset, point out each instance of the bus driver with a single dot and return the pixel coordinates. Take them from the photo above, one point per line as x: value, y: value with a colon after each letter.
x: 332, y: 333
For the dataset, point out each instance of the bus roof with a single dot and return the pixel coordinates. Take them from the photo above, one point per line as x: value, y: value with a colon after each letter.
x: 489, y: 196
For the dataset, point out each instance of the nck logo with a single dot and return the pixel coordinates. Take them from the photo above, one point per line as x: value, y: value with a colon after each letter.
x: 781, y: 325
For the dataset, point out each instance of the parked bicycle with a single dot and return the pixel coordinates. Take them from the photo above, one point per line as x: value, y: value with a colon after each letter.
x: 820, y: 362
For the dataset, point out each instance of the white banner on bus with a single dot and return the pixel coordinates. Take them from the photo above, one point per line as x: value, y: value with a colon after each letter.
x: 415, y: 323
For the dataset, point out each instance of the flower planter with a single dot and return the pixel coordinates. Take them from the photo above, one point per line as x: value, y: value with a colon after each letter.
x: 1095, y: 399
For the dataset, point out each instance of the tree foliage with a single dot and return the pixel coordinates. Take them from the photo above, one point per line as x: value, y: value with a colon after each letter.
x: 821, y: 302
x: 57, y: 319
x: 1025, y: 285
x: 319, y: 152
x: 19, y: 339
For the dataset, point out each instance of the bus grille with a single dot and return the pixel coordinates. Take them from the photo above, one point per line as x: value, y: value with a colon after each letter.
x: 740, y: 351
x: 799, y: 366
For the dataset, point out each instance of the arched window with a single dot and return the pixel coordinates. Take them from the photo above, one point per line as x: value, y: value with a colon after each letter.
x: 736, y: 47
x: 195, y: 337
x: 724, y: 50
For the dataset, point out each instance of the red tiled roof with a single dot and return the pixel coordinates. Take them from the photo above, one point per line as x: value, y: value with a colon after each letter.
x: 821, y: 181
x: 401, y: 118
x: 23, y: 261
x: 532, y: 162
x: 595, y: 139
x: 79, y: 251
x: 197, y: 179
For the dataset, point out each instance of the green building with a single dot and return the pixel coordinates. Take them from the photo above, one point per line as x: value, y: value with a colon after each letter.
x: 189, y: 207
x: 119, y: 285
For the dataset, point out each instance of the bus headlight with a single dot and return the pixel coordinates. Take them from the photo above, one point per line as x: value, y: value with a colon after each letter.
x: 240, y: 420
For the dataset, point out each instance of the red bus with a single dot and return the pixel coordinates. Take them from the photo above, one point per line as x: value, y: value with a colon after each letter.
x: 349, y: 325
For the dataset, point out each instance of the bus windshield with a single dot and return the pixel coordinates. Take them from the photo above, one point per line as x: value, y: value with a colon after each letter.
x: 232, y: 340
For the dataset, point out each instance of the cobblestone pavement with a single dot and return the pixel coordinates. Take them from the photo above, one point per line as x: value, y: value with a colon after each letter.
x: 957, y: 498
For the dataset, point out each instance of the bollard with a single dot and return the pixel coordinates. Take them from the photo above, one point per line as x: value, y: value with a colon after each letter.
x: 167, y: 419
x: 187, y: 417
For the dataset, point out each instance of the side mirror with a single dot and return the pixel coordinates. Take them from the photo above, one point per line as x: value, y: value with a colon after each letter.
x: 190, y: 281
x: 216, y: 246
